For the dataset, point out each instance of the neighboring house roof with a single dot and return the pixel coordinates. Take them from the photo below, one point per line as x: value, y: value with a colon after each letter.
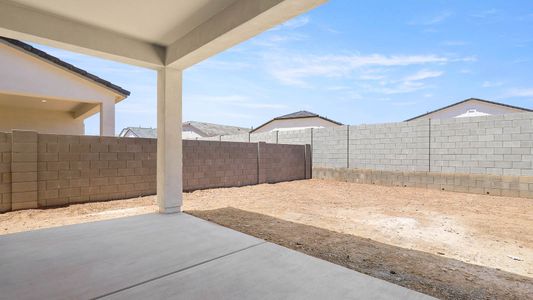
x: 298, y: 115
x: 32, y: 50
x: 470, y: 99
x: 140, y: 132
x: 210, y: 129
x: 206, y: 130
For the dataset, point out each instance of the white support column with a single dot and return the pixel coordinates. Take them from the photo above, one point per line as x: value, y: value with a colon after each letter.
x: 169, y: 164
x: 107, y: 118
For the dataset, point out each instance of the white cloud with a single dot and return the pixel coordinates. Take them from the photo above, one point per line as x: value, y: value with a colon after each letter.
x: 485, y: 13
x: 491, y: 84
x: 218, y: 64
x: 235, y: 100
x: 404, y: 103
x: 439, y: 18
x: 454, y: 43
x: 274, y: 40
x: 402, y: 88
x: 372, y: 77
x: 294, y: 70
x: 520, y: 92
x: 294, y: 23
x: 423, y: 74
x: 338, y: 88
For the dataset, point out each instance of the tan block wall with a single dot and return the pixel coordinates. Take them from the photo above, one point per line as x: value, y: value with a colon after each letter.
x: 279, y: 162
x: 5, y: 171
x: 512, y: 186
x: 208, y: 164
x: 24, y: 170
x: 46, y: 170
x: 76, y: 169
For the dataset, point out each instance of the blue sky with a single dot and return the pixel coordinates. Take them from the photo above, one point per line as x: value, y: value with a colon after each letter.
x: 352, y: 61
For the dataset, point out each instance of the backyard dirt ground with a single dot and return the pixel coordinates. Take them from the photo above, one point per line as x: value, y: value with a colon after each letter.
x: 449, y: 245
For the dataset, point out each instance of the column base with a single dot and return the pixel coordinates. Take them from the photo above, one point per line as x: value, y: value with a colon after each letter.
x: 170, y: 210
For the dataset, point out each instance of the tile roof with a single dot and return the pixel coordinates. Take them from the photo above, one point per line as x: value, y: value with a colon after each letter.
x: 141, y: 132
x: 207, y: 129
x: 210, y: 129
x: 28, y: 48
x: 298, y: 114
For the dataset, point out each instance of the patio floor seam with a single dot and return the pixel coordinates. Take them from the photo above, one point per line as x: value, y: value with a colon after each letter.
x: 178, y: 271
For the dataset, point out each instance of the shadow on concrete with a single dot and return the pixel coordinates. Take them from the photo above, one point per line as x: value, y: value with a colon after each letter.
x: 428, y: 273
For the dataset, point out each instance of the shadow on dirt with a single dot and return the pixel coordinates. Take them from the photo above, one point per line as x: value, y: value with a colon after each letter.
x: 428, y: 273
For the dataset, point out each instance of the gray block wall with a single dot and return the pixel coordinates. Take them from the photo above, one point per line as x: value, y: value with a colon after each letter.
x: 330, y: 147
x: 394, y: 147
x: 493, y: 145
x: 496, y: 145
x: 244, y: 138
x: 267, y: 137
x: 296, y: 137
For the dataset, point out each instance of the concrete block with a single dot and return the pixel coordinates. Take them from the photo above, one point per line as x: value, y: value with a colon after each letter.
x: 19, y: 136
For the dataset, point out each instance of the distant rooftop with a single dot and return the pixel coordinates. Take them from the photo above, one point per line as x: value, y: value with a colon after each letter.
x: 210, y: 129
x: 205, y: 130
x: 140, y: 132
x: 466, y: 100
x: 298, y: 115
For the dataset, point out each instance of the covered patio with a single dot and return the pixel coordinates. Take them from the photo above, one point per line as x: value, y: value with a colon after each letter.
x: 171, y: 257
x: 166, y: 35
x: 161, y: 256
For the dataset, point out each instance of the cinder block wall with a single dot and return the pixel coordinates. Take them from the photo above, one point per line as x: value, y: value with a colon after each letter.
x: 208, y: 164
x: 45, y: 170
x: 281, y: 162
x: 490, y: 145
x: 24, y: 170
x: 397, y: 146
x: 77, y: 169
x: 5, y: 171
x: 330, y: 147
x: 296, y: 137
x: 512, y: 186
x: 245, y: 138
x: 495, y: 145
x: 267, y: 137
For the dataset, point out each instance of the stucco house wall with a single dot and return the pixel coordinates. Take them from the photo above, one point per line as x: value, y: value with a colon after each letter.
x: 55, y: 122
x: 38, y: 94
x: 295, y: 124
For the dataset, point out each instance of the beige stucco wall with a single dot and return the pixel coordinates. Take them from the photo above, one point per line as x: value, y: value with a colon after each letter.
x: 42, y: 121
x: 28, y: 75
x: 295, y: 124
x: 23, y: 74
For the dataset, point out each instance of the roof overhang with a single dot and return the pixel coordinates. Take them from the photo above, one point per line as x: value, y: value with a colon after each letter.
x: 77, y: 109
x: 151, y: 34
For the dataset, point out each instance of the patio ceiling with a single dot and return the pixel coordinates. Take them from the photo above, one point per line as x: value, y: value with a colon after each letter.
x: 166, y: 35
x: 177, y: 33
x: 75, y: 108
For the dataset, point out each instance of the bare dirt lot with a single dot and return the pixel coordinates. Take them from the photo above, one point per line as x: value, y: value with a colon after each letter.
x: 449, y: 245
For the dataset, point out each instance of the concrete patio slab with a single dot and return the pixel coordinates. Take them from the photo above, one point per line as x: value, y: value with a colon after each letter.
x: 171, y: 256
x: 268, y: 271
